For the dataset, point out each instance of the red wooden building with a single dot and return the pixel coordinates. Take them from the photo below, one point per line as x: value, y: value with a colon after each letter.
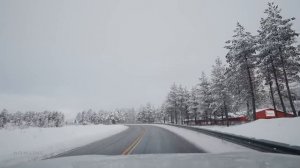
x: 271, y: 113
x: 240, y: 117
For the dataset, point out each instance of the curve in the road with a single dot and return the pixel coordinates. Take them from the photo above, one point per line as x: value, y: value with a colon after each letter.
x: 137, y: 139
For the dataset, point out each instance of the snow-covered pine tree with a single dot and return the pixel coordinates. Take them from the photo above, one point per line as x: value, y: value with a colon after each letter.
x: 43, y: 119
x: 182, y: 99
x: 18, y: 119
x: 172, y: 101
x: 163, y: 111
x: 289, y: 57
x: 219, y: 89
x: 193, y: 103
x: 205, y: 98
x: 168, y: 111
x: 3, y: 118
x: 241, y: 60
x: 278, y: 51
x: 78, y: 118
x: 59, y: 119
x: 146, y: 114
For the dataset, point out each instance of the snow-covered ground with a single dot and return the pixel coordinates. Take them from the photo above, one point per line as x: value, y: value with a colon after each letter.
x: 207, y: 143
x: 17, y: 145
x: 283, y: 130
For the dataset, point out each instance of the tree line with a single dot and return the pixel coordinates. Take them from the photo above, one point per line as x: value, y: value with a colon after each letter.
x: 259, y: 69
x: 118, y: 116
x: 31, y: 119
x: 145, y: 114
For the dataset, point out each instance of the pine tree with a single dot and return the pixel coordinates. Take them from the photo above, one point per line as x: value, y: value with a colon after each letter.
x: 205, y: 98
x: 219, y: 89
x: 182, y: 97
x: 3, y: 118
x: 172, y: 101
x: 289, y: 58
x: 193, y: 103
x: 277, y: 51
x: 146, y: 114
x: 18, y: 118
x: 241, y: 65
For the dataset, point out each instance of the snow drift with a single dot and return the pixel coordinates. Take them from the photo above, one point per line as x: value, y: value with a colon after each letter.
x: 19, y: 145
x: 283, y: 130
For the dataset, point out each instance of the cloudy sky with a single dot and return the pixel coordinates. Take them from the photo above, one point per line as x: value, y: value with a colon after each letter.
x: 71, y: 55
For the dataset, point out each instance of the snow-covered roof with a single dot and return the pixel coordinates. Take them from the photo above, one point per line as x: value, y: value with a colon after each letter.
x: 259, y: 110
x: 262, y: 109
x: 238, y: 114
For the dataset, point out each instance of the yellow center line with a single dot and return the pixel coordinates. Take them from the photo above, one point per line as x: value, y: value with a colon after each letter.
x: 134, y: 144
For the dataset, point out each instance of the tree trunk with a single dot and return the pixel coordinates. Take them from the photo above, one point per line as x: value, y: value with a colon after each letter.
x: 215, y: 118
x: 269, y: 81
x: 206, y: 118
x: 195, y: 117
x: 187, y: 117
x: 272, y: 97
x: 287, y: 85
x: 226, y: 114
x: 248, y: 109
x: 251, y: 88
x: 172, y: 116
x: 180, y: 117
x: 277, y: 86
x: 222, y: 118
x: 175, y: 116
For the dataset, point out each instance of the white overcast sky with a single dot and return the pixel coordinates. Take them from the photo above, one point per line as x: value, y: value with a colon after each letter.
x: 72, y: 55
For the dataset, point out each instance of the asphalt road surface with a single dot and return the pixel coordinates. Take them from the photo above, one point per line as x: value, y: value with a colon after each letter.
x: 137, y: 139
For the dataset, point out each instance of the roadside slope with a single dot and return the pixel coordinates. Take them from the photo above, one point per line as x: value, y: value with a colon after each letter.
x: 207, y: 143
x: 283, y: 130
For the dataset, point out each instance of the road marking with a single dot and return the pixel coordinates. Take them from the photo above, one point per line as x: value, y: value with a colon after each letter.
x: 134, y: 144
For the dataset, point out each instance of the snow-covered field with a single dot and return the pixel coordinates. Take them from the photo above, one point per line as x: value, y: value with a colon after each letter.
x: 283, y: 130
x: 17, y: 145
x: 207, y: 143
